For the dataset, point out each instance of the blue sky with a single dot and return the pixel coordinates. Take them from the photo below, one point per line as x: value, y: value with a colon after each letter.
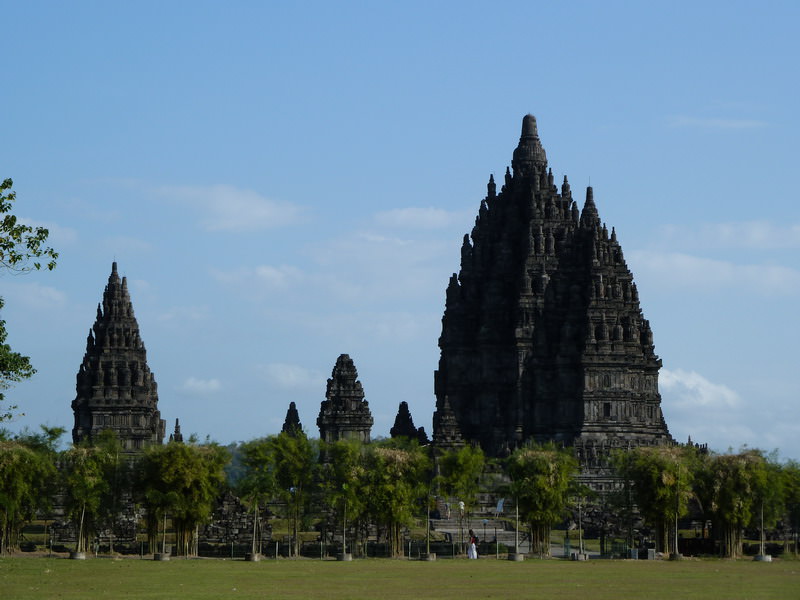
x: 285, y: 182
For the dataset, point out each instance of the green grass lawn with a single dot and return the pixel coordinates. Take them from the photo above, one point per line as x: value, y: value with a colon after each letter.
x: 49, y: 578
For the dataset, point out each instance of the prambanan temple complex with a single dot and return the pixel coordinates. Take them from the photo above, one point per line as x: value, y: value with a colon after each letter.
x: 543, y: 339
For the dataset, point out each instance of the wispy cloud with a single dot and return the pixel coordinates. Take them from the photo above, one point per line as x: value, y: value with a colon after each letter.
x: 267, y: 278
x: 200, y: 387
x: 33, y: 295
x: 232, y: 209
x: 422, y: 218
x: 185, y: 313
x: 676, y: 269
x: 714, y: 123
x: 756, y: 235
x: 709, y: 412
x: 690, y: 389
x: 292, y: 377
x: 58, y: 235
x: 122, y: 245
x: 716, y: 414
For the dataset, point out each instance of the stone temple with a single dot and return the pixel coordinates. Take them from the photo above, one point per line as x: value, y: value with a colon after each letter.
x: 543, y: 338
x: 115, y: 388
x: 344, y: 414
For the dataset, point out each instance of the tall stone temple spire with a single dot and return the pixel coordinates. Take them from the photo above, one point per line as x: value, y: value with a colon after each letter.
x: 344, y: 414
x: 543, y: 337
x: 115, y: 388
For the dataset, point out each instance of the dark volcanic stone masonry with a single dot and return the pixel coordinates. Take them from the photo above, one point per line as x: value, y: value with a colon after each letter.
x: 115, y: 388
x: 542, y: 335
x: 344, y: 414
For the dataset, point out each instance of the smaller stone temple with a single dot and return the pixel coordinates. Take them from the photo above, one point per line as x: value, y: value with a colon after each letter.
x: 344, y: 414
x: 404, y: 426
x: 446, y: 433
x: 292, y: 424
x: 115, y: 388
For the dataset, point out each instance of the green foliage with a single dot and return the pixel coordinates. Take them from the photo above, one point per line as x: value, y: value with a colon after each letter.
x: 395, y: 484
x: 341, y: 475
x: 295, y: 460
x: 183, y: 480
x: 257, y: 483
x: 731, y: 488
x: 14, y: 367
x: 19, y: 245
x: 791, y: 495
x: 662, y: 479
x: 541, y: 482
x: 27, y: 481
x: 341, y: 482
x: 89, y: 475
x: 460, y: 472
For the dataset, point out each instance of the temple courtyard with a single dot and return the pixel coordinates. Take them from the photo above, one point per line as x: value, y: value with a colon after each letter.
x: 43, y: 577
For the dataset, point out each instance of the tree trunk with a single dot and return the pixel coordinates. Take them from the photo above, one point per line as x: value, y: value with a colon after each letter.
x: 540, y: 539
x: 79, y: 544
x: 731, y: 541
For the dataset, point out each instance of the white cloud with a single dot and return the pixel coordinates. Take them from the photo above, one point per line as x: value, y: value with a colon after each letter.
x: 185, y: 313
x: 266, y: 277
x: 280, y: 277
x: 125, y: 245
x: 676, y: 269
x: 34, y: 295
x: 757, y: 235
x: 57, y: 235
x: 201, y: 387
x: 228, y: 208
x: 690, y: 389
x: 291, y: 377
x: 709, y: 412
x: 140, y: 285
x: 714, y: 123
x: 422, y: 218
x: 366, y: 267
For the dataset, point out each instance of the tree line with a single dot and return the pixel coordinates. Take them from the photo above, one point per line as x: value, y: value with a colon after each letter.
x: 350, y: 490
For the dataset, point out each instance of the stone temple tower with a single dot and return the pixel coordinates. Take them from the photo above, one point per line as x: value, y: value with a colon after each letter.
x: 344, y: 414
x: 115, y: 388
x: 543, y: 337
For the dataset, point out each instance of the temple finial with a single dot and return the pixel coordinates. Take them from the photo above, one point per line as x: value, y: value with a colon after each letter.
x: 529, y: 128
x: 529, y: 154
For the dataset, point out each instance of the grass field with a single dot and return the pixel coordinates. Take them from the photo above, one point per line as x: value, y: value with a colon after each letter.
x: 45, y: 578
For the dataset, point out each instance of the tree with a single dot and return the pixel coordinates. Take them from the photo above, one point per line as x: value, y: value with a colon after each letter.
x: 184, y: 481
x: 294, y: 474
x: 21, y: 247
x: 791, y: 487
x: 341, y: 483
x: 459, y: 477
x: 257, y: 484
x: 27, y: 481
x: 541, y: 480
x: 460, y: 472
x: 88, y: 475
x: 396, y: 480
x: 662, y: 486
x: 19, y: 243
x: 729, y: 486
